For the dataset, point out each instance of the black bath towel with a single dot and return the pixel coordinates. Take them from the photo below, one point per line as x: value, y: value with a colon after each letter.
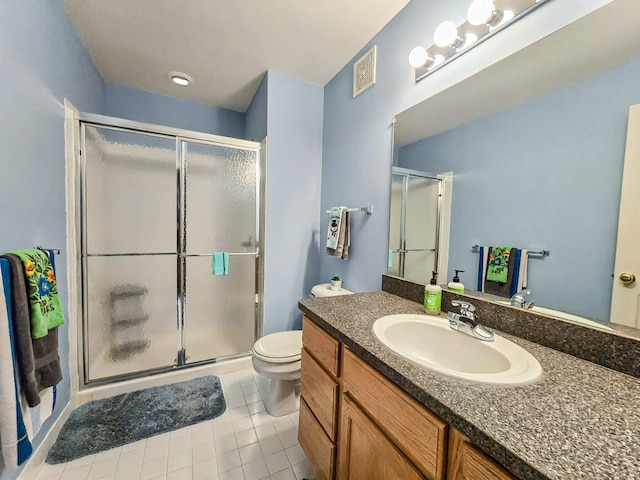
x: 38, y: 359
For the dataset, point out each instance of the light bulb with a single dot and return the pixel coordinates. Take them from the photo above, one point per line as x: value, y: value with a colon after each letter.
x: 446, y: 34
x: 180, y: 80
x: 470, y: 38
x: 419, y: 57
x: 483, y: 12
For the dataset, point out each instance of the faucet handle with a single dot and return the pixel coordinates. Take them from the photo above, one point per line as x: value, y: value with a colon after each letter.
x: 466, y: 308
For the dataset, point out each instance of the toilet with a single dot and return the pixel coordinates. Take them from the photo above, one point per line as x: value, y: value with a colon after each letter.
x: 276, y: 360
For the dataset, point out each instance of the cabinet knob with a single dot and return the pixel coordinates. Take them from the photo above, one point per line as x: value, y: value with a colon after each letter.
x: 627, y: 278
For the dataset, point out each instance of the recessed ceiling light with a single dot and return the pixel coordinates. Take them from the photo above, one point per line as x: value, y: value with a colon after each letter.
x: 180, y: 78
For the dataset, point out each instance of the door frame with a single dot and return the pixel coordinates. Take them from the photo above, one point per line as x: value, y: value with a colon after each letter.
x: 625, y: 297
x: 74, y: 121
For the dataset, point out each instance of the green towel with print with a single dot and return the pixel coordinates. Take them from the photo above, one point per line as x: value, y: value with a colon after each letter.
x: 498, y: 264
x: 42, y: 290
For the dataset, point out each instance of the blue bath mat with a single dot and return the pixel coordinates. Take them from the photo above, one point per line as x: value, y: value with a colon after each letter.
x: 116, y: 421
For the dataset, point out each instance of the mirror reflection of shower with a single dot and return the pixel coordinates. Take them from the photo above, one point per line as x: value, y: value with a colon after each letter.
x: 416, y: 222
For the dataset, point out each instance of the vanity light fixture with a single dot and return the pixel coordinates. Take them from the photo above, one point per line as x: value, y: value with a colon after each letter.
x: 485, y: 18
x: 180, y: 78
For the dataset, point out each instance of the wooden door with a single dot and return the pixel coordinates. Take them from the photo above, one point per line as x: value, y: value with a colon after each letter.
x: 365, y: 453
x: 625, y: 301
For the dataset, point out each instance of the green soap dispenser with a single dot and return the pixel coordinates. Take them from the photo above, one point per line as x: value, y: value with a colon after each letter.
x: 432, y: 296
x: 456, y: 285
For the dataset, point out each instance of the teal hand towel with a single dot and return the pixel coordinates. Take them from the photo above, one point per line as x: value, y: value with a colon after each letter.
x: 220, y: 263
x: 498, y: 264
x: 42, y: 292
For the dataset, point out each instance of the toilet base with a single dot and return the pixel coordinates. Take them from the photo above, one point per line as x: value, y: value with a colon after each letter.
x: 280, y: 397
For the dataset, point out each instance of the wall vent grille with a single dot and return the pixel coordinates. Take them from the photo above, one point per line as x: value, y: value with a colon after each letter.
x: 364, y: 72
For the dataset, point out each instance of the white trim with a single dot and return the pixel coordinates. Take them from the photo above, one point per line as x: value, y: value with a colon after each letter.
x: 72, y: 149
x: 445, y: 223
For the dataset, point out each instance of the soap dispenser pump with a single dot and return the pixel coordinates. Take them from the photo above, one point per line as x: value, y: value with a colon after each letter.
x: 432, y: 296
x: 456, y: 285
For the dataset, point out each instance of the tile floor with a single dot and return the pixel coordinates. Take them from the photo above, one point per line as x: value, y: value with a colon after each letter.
x: 244, y: 443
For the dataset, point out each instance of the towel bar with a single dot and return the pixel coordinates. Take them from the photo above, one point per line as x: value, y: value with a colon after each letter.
x: 539, y: 253
x: 54, y: 250
x: 368, y: 209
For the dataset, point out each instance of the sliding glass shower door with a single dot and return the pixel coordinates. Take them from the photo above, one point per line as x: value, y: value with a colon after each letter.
x: 155, y: 207
x: 221, y: 210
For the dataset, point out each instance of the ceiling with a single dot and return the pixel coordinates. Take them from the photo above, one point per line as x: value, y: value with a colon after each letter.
x: 225, y: 45
x: 605, y: 39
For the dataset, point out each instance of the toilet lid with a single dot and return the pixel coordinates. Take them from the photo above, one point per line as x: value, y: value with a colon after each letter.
x: 279, y: 347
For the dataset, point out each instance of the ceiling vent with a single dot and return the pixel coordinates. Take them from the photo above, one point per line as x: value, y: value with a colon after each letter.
x: 364, y: 72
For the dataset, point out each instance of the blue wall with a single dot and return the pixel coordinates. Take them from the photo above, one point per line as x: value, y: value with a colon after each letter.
x: 43, y: 62
x: 543, y: 174
x: 141, y: 106
x: 294, y: 165
x: 358, y: 137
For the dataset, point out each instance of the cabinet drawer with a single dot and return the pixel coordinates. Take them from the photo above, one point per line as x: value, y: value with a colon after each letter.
x: 315, y: 443
x: 322, y: 346
x: 320, y: 391
x: 419, y: 434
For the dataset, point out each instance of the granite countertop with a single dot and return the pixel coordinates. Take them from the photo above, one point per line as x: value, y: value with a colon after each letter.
x: 579, y: 421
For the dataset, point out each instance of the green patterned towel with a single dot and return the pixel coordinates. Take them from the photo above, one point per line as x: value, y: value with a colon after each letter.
x: 46, y: 311
x: 498, y: 264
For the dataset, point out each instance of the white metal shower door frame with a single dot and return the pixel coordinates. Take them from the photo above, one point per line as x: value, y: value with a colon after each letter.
x: 181, y: 138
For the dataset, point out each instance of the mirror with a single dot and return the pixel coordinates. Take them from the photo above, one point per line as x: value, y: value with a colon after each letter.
x: 536, y: 145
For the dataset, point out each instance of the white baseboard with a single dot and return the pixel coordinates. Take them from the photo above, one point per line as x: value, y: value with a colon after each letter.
x: 37, y: 458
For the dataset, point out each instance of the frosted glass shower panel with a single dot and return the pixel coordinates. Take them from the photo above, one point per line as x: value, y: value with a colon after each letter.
x: 419, y: 265
x: 131, y: 314
x: 395, y: 214
x: 220, y: 310
x: 422, y: 213
x: 130, y: 192
x: 221, y: 198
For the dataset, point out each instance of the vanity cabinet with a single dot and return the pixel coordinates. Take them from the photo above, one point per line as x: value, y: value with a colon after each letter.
x: 406, y: 440
x: 466, y: 462
x: 319, y: 394
x: 357, y: 425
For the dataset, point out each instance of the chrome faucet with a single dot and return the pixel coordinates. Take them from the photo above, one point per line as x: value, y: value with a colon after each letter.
x: 465, y: 322
x: 519, y: 300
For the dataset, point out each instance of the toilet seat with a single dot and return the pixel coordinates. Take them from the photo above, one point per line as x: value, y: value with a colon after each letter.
x: 279, y: 347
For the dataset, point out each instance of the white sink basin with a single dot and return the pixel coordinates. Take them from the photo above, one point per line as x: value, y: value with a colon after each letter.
x: 429, y: 342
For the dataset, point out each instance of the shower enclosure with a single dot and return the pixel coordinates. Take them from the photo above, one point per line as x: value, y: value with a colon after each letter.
x: 156, y: 204
x: 414, y: 230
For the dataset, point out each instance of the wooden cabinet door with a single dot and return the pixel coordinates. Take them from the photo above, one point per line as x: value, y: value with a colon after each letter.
x: 365, y: 453
x: 467, y: 462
